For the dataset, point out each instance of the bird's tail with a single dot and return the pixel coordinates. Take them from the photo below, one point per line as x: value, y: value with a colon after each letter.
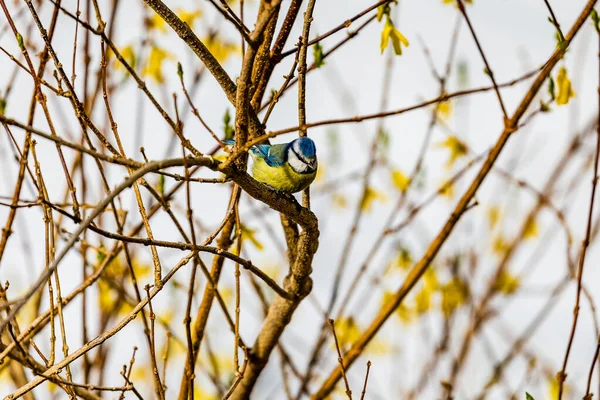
x: 253, y: 150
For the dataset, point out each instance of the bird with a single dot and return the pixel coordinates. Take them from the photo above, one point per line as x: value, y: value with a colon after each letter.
x: 287, y: 167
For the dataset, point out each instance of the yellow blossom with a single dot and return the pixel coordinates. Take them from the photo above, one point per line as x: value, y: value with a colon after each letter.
x: 188, y: 16
x: 455, y: 2
x: 390, y: 32
x: 446, y: 189
x: 202, y: 394
x: 554, y: 387
x: 404, y: 259
x: 226, y: 294
x: 107, y: 297
x: 273, y: 270
x: 430, y: 278
x: 139, y: 373
x: 320, y: 172
x: 565, y: 88
x: 128, y: 55
x: 347, y: 331
x: 454, y: 295
x: 423, y: 300
x: 371, y: 195
x: 221, y: 49
x: 457, y: 149
x: 506, y: 283
x: 378, y: 347
x: 500, y: 245
x: 494, y: 214
x: 339, y: 201
x: 250, y: 234
x: 444, y: 110
x: 156, y: 22
x: 531, y: 229
x: 166, y: 317
x: 401, y: 181
x: 404, y: 313
x: 155, y: 63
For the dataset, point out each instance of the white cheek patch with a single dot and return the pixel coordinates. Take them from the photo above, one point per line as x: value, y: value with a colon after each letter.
x: 297, y: 164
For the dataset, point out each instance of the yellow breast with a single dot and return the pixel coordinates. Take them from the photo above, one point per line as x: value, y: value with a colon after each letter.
x: 282, y: 178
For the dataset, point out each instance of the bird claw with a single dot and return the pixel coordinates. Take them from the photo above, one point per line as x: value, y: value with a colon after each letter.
x: 288, y: 196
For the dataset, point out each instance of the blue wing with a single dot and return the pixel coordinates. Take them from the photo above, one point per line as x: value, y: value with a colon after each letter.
x: 274, y: 155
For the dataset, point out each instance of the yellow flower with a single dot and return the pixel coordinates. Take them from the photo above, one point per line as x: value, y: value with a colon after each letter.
x: 273, y: 270
x: 457, y: 149
x: 347, y: 331
x: 565, y: 88
x: 250, y: 234
x: 400, y: 180
x: 531, y: 229
x: 139, y: 373
x: 554, y: 386
x: 390, y: 32
x: 220, y: 49
x: 339, y: 201
x: 320, y: 172
x: 188, y: 16
x: 454, y: 295
x: 405, y: 314
x: 446, y: 189
x: 166, y: 317
x: 404, y: 259
x: 371, y: 195
x: 455, y: 2
x: 128, y: 55
x: 226, y: 294
x: 507, y: 283
x: 430, y: 278
x: 500, y: 245
x: 155, y: 63
x: 493, y: 215
x: 156, y: 22
x: 202, y: 394
x: 444, y: 110
x: 423, y: 300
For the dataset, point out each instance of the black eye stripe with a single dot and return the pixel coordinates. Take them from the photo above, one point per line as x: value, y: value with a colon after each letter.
x: 300, y: 157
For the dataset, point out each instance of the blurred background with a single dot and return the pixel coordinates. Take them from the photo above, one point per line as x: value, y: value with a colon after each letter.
x: 393, y: 180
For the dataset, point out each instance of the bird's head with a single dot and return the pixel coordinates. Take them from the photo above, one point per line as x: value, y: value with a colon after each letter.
x: 302, y: 155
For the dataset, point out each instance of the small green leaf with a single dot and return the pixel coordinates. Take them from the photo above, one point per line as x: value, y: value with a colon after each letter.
x: 20, y: 42
x: 101, y: 255
x: 179, y: 70
x: 487, y: 71
x: 544, y: 107
x: 227, y: 128
x: 2, y: 106
x: 551, y: 88
x: 528, y: 396
x: 561, y: 43
x: 596, y: 20
x: 161, y: 184
x: 318, y: 55
x: 383, y: 143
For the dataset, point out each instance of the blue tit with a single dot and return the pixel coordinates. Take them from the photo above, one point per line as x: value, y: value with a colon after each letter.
x: 287, y: 167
